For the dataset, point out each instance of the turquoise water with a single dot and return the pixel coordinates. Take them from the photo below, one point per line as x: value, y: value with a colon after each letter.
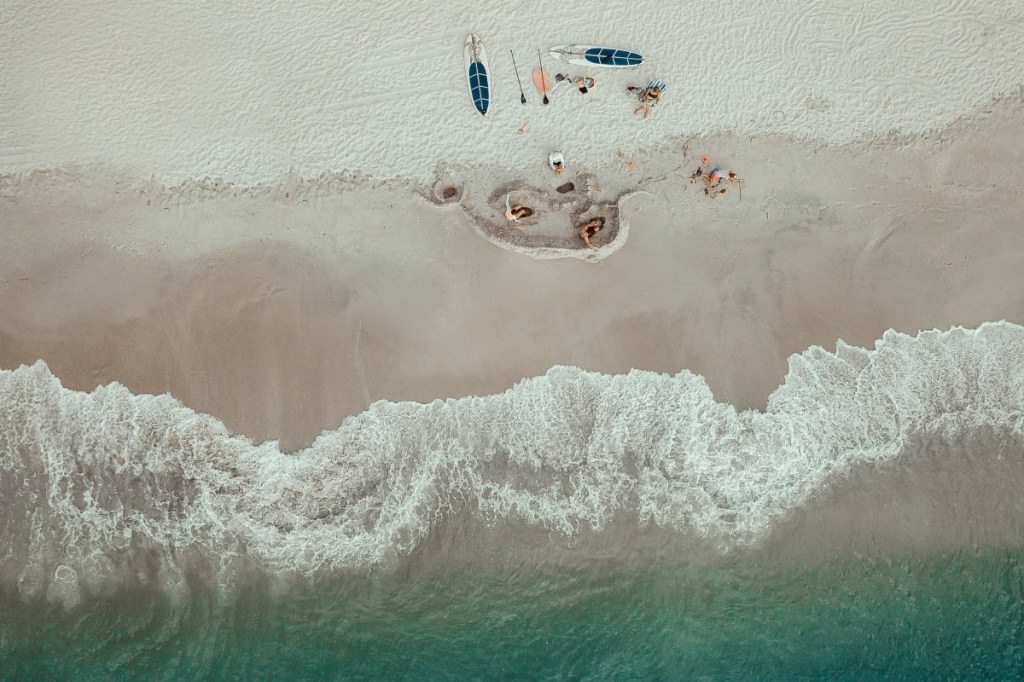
x: 951, y: 616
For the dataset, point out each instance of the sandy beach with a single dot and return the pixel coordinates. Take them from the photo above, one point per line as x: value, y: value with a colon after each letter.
x: 285, y: 395
x: 229, y: 206
x: 282, y: 309
x: 274, y: 339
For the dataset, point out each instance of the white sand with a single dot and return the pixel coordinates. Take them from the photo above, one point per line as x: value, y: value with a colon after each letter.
x: 226, y: 90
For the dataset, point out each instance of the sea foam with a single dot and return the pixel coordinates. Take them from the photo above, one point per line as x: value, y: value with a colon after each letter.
x: 109, y: 488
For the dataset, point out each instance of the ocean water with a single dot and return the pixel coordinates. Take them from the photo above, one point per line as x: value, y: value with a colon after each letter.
x: 869, y: 523
x: 946, y: 616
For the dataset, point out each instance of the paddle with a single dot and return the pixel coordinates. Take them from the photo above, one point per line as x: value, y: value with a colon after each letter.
x: 542, y: 75
x: 522, y: 95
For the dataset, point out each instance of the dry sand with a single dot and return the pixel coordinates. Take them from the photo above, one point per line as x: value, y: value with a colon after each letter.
x: 182, y: 91
x: 283, y: 309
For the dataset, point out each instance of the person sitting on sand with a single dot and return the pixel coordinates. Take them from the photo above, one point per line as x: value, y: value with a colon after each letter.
x: 557, y: 162
x: 514, y: 212
x: 591, y: 228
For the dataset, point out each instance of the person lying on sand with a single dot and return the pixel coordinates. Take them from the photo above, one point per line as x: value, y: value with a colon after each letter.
x: 584, y: 83
x: 591, y: 228
x: 715, y: 178
x: 651, y: 95
x: 557, y: 162
x: 648, y: 96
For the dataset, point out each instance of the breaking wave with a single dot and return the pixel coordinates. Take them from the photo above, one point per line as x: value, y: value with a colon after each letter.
x: 112, y: 486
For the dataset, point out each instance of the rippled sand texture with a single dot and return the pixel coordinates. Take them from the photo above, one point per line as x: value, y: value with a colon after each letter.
x: 220, y: 90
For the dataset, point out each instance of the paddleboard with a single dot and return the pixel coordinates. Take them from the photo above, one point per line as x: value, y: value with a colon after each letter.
x: 477, y: 74
x: 600, y: 57
x: 541, y: 81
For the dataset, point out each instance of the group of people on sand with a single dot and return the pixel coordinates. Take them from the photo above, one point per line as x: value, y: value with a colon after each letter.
x: 515, y: 212
x: 648, y: 96
x: 713, y: 178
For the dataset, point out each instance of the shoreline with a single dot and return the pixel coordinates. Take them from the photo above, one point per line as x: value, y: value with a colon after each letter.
x: 351, y: 294
x: 567, y: 469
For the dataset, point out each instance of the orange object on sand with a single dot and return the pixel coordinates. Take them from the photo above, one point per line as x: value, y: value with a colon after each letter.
x: 705, y: 159
x: 541, y: 81
x: 631, y: 166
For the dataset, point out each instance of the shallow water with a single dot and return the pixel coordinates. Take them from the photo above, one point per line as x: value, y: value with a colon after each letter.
x: 950, y: 616
x: 868, y: 524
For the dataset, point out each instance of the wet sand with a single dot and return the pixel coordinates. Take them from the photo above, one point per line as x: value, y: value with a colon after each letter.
x: 281, y: 311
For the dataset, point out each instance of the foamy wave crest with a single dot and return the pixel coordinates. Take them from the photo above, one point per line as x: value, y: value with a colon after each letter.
x: 110, y: 486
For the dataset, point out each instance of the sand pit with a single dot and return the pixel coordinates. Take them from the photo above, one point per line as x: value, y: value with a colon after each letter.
x: 551, y: 231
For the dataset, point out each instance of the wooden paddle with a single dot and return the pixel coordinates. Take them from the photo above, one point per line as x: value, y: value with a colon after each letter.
x: 522, y: 95
x: 539, y: 61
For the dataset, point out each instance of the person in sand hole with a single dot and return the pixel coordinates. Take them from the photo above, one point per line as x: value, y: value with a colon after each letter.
x: 513, y: 212
x: 589, y: 229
